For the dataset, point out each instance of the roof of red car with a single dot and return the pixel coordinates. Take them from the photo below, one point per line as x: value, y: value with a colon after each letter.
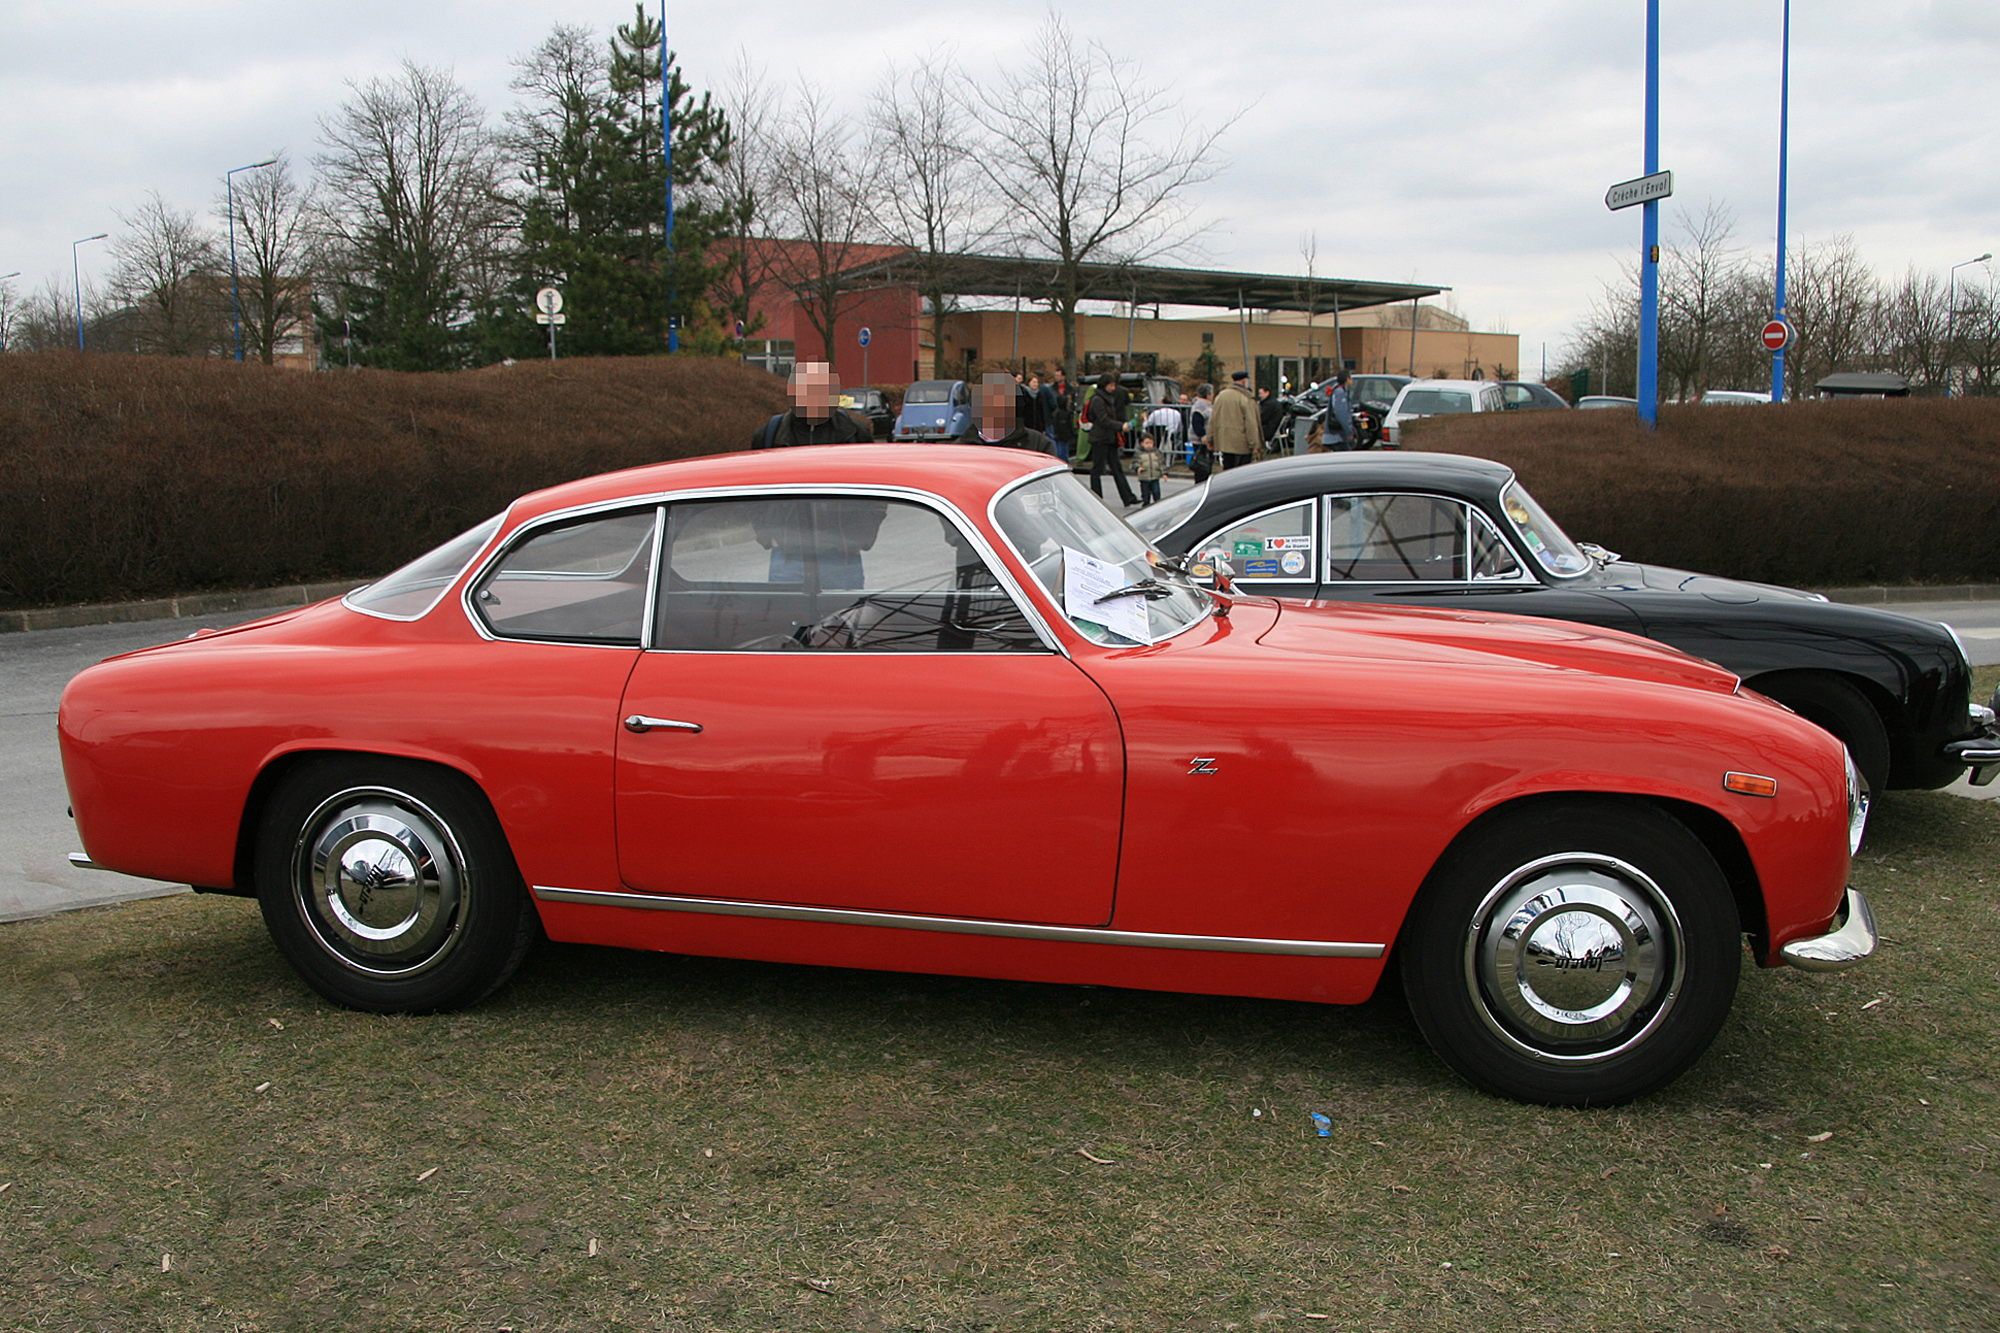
x: 966, y: 475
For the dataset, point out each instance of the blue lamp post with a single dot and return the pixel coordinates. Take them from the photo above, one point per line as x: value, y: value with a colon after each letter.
x: 1649, y: 241
x: 76, y: 276
x: 235, y: 294
x: 1784, y: 141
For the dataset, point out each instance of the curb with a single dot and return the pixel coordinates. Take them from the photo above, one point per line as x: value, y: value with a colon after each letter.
x: 173, y: 608
x: 302, y: 594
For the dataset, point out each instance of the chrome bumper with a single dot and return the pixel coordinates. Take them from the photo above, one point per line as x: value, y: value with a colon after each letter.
x: 1980, y: 753
x: 82, y: 861
x: 1850, y: 943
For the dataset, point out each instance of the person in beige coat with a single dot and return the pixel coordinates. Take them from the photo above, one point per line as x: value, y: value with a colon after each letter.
x: 1233, y: 431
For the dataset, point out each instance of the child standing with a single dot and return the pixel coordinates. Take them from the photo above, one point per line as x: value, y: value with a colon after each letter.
x: 1150, y: 465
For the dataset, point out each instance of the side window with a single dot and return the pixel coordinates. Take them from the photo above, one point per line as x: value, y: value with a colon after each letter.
x: 830, y: 574
x: 1492, y: 558
x: 1394, y: 539
x: 1273, y: 546
x: 581, y: 582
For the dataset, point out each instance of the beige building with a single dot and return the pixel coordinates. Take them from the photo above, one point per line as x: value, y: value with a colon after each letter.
x: 1279, y: 342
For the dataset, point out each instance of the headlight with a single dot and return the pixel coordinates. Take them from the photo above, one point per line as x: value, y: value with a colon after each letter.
x: 1857, y: 805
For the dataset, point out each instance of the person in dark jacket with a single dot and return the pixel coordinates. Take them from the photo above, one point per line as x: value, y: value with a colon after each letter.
x: 1270, y: 414
x: 1051, y: 424
x: 813, y: 419
x: 1063, y: 423
x: 1104, y: 417
x: 997, y: 424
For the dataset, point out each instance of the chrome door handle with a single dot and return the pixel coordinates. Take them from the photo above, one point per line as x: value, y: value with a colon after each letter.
x: 639, y: 722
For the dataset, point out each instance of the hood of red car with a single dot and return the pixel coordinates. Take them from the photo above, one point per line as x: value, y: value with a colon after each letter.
x: 1358, y: 631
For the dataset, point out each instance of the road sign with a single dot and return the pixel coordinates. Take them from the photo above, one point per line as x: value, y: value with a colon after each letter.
x: 549, y: 301
x: 1778, y: 335
x: 866, y: 334
x: 1644, y: 190
x: 551, y: 319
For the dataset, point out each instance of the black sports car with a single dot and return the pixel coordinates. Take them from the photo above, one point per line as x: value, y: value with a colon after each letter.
x: 1451, y: 532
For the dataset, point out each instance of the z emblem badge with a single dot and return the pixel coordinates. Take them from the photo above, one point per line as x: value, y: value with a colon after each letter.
x: 1201, y: 766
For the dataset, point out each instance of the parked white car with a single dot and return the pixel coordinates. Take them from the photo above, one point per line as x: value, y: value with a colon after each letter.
x: 1432, y: 398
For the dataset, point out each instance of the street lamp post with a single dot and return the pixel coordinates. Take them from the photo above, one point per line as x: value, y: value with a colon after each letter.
x: 235, y: 294
x: 1784, y: 161
x: 1951, y: 314
x: 3, y: 307
x: 76, y: 276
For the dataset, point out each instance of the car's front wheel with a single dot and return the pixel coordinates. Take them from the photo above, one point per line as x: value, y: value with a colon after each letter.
x: 1573, y: 953
x: 389, y: 885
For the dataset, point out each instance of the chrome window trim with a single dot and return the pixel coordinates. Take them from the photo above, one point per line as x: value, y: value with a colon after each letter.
x: 1314, y: 527
x: 1525, y: 578
x: 952, y: 925
x: 499, y: 522
x: 993, y: 518
x: 525, y: 532
x: 1003, y: 575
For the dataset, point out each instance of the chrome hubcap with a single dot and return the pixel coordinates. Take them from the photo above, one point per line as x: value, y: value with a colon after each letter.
x: 378, y: 880
x: 1574, y: 957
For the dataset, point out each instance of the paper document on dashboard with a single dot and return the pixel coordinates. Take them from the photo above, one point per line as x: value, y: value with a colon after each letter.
x: 1086, y: 579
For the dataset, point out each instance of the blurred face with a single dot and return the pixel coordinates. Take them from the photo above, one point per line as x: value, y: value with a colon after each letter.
x: 814, y: 389
x: 996, y: 408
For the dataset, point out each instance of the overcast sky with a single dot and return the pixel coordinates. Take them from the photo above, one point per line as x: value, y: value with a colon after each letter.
x: 1449, y: 142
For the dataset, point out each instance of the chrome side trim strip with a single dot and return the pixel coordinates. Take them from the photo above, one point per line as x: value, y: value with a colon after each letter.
x: 952, y: 925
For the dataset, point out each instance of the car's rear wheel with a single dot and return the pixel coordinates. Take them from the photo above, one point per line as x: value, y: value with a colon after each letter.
x: 1574, y: 953
x: 1831, y: 704
x: 389, y: 885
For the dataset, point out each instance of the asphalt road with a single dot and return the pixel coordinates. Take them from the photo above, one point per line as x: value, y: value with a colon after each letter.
x: 36, y: 837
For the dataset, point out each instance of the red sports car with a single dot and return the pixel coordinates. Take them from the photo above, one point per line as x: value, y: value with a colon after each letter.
x: 938, y: 710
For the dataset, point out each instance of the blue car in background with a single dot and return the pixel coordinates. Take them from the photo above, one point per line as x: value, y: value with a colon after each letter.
x: 934, y: 410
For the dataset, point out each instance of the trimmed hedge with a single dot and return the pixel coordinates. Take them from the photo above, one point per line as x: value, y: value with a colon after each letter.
x: 1816, y: 495
x: 125, y: 477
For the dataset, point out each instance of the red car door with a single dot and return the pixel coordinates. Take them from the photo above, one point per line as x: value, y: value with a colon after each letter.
x: 844, y: 708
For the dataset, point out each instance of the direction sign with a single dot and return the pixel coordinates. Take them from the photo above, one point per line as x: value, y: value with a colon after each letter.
x: 866, y: 334
x: 549, y: 301
x: 551, y: 319
x: 1644, y: 190
x: 1778, y: 335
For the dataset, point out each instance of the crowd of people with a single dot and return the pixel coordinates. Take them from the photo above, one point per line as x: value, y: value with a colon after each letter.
x: 1207, y: 428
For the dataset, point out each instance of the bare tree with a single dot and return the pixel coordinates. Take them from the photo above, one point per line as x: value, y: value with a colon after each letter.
x: 820, y: 195
x: 412, y: 181
x: 1696, y: 278
x: 1830, y: 297
x: 918, y: 141
x: 1070, y: 152
x: 166, y: 273
x: 10, y: 315
x: 1913, y: 324
x: 740, y: 193
x: 274, y: 219
x: 46, y: 319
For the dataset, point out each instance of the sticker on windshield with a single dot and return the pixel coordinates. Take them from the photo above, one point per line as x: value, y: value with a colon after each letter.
x: 1297, y: 543
x: 1260, y: 569
x: 1292, y: 562
x: 1249, y: 548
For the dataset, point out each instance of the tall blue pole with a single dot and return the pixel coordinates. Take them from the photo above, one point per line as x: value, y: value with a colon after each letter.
x: 1784, y: 145
x: 1649, y: 241
x: 667, y: 151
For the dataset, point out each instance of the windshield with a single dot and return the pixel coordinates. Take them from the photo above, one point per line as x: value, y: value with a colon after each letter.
x: 414, y: 589
x: 1053, y: 523
x: 1157, y: 520
x: 929, y: 391
x: 1549, y: 543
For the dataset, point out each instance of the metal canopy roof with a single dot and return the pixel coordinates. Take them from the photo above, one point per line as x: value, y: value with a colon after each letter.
x: 1144, y: 284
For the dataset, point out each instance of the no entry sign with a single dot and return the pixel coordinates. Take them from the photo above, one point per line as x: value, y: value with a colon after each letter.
x: 1778, y: 335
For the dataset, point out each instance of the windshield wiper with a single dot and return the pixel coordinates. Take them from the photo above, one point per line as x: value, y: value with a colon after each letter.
x: 1150, y: 589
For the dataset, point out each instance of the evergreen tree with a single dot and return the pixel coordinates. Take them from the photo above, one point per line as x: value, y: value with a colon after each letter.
x: 593, y: 222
